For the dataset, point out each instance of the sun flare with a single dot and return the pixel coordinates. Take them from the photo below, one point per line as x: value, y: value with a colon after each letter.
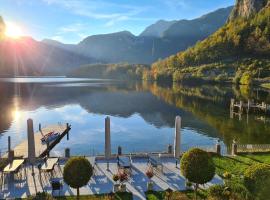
x: 16, y: 114
x: 13, y: 30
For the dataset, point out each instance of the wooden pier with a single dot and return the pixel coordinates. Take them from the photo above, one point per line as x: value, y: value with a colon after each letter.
x: 249, y: 106
x: 42, y: 149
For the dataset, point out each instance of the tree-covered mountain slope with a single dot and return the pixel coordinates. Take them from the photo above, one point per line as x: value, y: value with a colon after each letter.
x: 241, y: 45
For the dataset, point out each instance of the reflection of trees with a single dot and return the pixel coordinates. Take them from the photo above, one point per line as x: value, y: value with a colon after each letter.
x: 210, y: 104
x: 204, y: 108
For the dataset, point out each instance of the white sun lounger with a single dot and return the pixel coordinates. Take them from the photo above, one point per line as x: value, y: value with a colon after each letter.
x: 155, y: 161
x: 49, y: 164
x: 14, y: 166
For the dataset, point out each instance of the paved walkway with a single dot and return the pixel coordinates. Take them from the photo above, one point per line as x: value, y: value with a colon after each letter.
x: 102, y: 181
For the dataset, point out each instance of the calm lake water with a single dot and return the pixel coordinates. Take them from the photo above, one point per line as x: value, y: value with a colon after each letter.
x: 142, y: 114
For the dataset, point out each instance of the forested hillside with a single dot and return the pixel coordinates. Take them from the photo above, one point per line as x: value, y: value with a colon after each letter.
x: 241, y: 45
x: 122, y: 71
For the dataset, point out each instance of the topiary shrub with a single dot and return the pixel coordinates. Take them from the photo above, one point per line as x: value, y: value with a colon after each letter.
x: 217, y: 192
x: 257, y: 180
x: 77, y: 173
x: 197, y: 166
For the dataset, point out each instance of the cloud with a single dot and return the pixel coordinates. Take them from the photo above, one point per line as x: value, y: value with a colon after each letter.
x: 101, y: 10
x: 175, y: 4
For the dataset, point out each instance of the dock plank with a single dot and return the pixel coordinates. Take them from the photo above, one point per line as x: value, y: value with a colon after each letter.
x: 21, y: 150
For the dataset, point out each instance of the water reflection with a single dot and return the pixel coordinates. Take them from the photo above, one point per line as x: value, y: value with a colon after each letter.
x: 142, y: 114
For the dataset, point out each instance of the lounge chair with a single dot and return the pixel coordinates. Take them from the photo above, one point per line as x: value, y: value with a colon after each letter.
x: 155, y: 162
x: 123, y: 162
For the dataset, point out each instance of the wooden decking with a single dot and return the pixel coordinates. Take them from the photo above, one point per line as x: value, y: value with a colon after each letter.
x: 42, y: 149
x: 249, y: 106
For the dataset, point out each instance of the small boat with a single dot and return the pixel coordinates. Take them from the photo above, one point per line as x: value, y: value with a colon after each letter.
x: 49, y: 137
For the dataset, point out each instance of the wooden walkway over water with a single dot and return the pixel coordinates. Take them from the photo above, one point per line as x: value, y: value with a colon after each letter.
x: 42, y: 149
x: 249, y: 106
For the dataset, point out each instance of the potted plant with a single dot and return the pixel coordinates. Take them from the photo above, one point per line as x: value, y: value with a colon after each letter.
x: 116, y: 185
x: 123, y: 177
x: 149, y: 173
x: 188, y: 185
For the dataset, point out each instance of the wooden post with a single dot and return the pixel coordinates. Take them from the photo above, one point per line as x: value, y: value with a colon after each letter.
x: 119, y: 150
x: 31, y: 141
x: 177, y: 137
x: 9, y: 143
x: 170, y: 151
x: 241, y: 106
x: 67, y: 153
x: 218, y: 148
x: 234, y: 148
x: 67, y: 132
x: 232, y: 104
x: 107, y: 138
x: 248, y: 106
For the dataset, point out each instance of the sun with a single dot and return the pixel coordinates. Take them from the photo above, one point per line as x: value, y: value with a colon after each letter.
x: 13, y: 30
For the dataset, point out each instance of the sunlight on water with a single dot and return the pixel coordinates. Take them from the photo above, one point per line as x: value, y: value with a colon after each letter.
x: 142, y: 116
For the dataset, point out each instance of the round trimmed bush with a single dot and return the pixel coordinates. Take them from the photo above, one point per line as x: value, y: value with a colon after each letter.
x: 197, y: 166
x: 77, y: 172
x: 257, y: 179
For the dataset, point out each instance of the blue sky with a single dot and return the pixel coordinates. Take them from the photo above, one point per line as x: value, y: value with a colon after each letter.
x: 70, y: 21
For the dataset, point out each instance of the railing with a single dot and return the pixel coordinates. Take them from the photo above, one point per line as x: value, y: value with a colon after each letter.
x: 253, y: 148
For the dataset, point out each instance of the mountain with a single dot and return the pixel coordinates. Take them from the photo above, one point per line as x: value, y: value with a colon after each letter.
x: 240, y: 49
x: 247, y: 8
x: 157, y: 29
x: 26, y: 56
x: 200, y: 27
x: 155, y: 42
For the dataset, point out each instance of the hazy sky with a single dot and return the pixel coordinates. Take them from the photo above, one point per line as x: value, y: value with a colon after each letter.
x: 70, y: 21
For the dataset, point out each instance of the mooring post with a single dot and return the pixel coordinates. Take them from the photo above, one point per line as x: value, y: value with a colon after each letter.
x: 170, y: 149
x: 68, y: 131
x: 234, y: 148
x: 177, y: 137
x: 119, y: 151
x: 39, y: 127
x: 248, y: 106
x: 9, y: 143
x: 241, y: 106
x: 67, y: 153
x: 107, y: 141
x: 218, y: 147
x: 31, y: 141
x: 232, y: 104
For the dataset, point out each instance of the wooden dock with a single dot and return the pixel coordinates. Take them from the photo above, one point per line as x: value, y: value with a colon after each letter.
x: 42, y: 149
x: 249, y: 106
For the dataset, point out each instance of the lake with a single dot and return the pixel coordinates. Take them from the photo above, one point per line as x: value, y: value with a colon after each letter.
x: 142, y: 114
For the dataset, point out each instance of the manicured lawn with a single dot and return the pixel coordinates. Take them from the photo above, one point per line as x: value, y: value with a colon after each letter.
x: 117, y: 196
x: 237, y: 165
x: 183, y: 195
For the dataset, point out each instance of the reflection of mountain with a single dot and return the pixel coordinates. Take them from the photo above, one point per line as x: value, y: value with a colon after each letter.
x: 203, y: 108
x: 116, y: 100
x: 210, y: 104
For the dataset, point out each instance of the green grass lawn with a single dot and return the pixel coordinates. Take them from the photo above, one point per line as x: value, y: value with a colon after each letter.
x: 238, y: 164
x: 117, y: 196
x: 183, y: 195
